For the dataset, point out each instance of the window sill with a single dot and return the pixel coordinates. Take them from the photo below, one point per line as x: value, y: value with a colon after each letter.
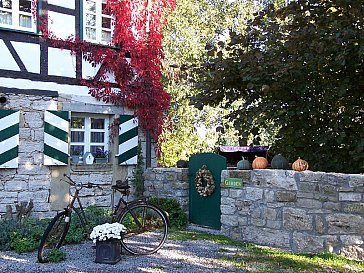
x: 99, y: 167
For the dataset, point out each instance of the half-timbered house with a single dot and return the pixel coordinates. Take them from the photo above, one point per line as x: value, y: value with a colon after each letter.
x: 50, y: 125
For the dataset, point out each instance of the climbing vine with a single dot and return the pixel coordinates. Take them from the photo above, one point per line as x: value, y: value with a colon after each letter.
x: 138, y: 35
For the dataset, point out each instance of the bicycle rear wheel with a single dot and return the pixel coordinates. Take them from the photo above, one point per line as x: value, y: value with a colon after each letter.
x: 146, y: 229
x: 53, y: 236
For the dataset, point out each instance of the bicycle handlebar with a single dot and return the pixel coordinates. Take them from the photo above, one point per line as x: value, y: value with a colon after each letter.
x: 73, y: 183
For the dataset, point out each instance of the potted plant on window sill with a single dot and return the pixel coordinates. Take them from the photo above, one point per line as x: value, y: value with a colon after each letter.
x: 107, y: 238
x: 76, y: 156
x: 101, y: 156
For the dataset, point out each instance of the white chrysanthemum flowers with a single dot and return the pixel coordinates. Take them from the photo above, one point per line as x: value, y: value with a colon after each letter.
x: 107, y: 231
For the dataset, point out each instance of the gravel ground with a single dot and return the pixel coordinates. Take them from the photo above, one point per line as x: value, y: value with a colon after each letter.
x: 175, y: 256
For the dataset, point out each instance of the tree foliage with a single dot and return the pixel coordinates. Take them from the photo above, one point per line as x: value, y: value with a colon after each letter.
x: 190, y: 27
x: 300, y: 67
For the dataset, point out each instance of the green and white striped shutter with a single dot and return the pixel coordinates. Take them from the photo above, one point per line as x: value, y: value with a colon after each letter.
x: 56, y: 128
x: 9, y: 138
x: 128, y: 140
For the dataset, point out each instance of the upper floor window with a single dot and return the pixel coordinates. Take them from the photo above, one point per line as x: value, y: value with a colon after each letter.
x: 97, y: 22
x: 89, y: 134
x: 17, y: 14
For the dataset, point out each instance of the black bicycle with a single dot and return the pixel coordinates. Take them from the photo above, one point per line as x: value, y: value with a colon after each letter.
x: 147, y: 224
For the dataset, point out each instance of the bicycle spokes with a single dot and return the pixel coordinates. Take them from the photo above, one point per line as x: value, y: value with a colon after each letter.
x: 146, y: 229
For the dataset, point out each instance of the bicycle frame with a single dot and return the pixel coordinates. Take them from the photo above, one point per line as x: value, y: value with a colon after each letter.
x: 80, y: 213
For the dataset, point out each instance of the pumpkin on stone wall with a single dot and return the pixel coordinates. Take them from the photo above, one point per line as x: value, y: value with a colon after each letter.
x: 243, y: 164
x: 300, y: 165
x: 279, y: 162
x: 260, y: 162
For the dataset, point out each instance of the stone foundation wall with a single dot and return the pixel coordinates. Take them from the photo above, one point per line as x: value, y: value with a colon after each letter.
x: 296, y: 211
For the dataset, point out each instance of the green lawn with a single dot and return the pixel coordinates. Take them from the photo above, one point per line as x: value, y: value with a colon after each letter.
x: 253, y: 258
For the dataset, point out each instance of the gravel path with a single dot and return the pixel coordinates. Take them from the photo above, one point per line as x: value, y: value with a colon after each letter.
x: 175, y: 256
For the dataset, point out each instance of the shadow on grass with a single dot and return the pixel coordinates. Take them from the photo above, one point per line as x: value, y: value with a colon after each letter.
x: 265, y: 259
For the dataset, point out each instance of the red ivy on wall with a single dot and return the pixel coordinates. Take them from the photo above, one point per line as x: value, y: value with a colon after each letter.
x: 138, y: 32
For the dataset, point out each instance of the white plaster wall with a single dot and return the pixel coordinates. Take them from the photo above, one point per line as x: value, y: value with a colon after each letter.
x: 61, y: 63
x: 88, y: 70
x: 63, y: 3
x: 7, y: 61
x: 62, y: 25
x: 29, y: 54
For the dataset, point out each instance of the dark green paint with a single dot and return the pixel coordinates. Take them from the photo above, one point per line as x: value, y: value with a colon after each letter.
x: 9, y: 132
x: 205, y: 211
x: 127, y: 155
x: 5, y: 113
x: 55, y: 154
x: 8, y: 155
x: 56, y: 132
x: 61, y: 114
x: 128, y: 135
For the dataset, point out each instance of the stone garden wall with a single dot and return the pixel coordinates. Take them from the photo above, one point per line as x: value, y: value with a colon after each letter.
x: 297, y: 211
x: 168, y: 183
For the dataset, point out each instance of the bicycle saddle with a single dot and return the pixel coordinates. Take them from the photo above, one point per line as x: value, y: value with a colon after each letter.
x: 121, y: 185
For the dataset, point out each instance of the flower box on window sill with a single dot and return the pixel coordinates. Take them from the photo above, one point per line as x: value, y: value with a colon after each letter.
x: 100, y: 160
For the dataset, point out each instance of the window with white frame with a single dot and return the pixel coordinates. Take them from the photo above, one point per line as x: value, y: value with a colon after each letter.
x: 97, y: 22
x: 17, y: 14
x: 89, y: 134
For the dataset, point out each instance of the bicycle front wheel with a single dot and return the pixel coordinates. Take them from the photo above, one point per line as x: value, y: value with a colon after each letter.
x: 53, y: 236
x: 146, y: 229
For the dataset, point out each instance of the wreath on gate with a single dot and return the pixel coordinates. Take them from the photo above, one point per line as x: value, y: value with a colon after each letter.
x: 201, y: 175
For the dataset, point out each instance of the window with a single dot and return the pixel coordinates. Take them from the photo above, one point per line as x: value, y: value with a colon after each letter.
x: 17, y: 14
x: 97, y: 22
x: 89, y: 134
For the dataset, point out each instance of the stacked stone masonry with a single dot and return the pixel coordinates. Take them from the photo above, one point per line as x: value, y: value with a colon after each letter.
x: 168, y: 183
x: 32, y: 180
x: 297, y: 211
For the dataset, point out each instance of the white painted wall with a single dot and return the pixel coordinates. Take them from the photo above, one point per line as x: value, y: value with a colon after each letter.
x: 61, y: 63
x: 7, y: 61
x: 29, y: 54
x: 49, y: 86
x: 62, y: 25
x: 89, y: 71
x: 63, y: 3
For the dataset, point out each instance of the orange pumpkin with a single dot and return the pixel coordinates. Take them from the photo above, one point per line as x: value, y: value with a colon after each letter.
x: 300, y: 165
x: 260, y: 163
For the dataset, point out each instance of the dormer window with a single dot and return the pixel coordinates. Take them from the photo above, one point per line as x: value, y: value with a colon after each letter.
x: 97, y: 22
x: 17, y: 14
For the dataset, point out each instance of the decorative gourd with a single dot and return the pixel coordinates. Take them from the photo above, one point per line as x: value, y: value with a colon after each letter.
x: 300, y: 165
x: 244, y: 164
x: 260, y: 163
x: 279, y: 162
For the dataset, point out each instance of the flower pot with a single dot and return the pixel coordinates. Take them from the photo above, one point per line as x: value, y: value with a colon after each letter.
x: 108, y: 252
x: 75, y: 159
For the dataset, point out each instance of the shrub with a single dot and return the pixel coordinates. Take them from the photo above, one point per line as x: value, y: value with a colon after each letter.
x: 94, y: 215
x: 56, y: 256
x: 21, y: 236
x: 177, y: 216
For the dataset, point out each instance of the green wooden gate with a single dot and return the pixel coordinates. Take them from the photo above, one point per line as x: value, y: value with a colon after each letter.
x: 205, y: 211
